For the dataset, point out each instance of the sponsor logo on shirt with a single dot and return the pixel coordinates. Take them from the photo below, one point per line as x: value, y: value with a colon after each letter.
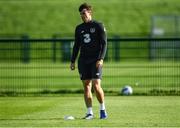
x: 97, y: 74
x: 92, y: 30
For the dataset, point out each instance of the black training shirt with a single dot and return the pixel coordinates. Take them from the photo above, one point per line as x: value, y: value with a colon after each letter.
x: 91, y: 40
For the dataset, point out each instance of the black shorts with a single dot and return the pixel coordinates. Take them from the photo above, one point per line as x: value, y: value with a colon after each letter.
x: 88, y: 70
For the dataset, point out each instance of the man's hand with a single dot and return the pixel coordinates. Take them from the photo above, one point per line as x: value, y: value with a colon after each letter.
x: 99, y: 63
x: 72, y: 66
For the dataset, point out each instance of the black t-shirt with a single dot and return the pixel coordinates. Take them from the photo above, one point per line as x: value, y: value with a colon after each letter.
x: 91, y: 40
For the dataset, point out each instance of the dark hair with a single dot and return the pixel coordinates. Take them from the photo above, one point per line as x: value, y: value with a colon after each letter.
x: 85, y: 6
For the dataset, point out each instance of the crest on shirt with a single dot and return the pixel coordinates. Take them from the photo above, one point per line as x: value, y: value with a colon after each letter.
x: 92, y: 30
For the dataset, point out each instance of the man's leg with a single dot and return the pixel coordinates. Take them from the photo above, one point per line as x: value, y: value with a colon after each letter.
x: 100, y: 96
x: 98, y: 90
x: 88, y: 98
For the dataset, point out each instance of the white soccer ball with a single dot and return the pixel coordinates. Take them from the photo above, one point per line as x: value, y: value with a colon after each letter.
x: 69, y: 118
x: 127, y: 90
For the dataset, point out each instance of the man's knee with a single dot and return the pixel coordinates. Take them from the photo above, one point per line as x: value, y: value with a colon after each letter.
x: 87, y: 85
x: 97, y: 85
x: 87, y: 82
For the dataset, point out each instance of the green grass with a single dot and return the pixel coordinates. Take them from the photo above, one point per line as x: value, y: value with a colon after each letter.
x: 148, y: 78
x: 132, y: 111
x: 46, y: 18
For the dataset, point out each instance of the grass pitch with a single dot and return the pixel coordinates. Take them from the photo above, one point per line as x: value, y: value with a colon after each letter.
x: 123, y: 111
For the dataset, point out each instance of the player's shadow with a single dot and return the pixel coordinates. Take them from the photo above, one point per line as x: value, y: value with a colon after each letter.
x: 35, y: 119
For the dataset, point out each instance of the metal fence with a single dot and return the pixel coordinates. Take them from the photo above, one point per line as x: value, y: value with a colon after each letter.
x: 27, y: 50
x: 41, y: 66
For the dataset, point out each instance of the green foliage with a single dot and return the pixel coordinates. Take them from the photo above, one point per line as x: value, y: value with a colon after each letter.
x: 44, y: 18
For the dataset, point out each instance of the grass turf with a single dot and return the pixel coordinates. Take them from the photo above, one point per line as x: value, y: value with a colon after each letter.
x: 123, y: 111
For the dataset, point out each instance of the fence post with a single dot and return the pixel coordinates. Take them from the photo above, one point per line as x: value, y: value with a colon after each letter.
x: 116, y: 50
x: 66, y: 51
x: 54, y: 49
x: 151, y: 50
x: 107, y: 52
x: 25, y: 54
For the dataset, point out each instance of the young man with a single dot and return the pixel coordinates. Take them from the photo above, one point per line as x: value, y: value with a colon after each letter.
x: 91, y: 41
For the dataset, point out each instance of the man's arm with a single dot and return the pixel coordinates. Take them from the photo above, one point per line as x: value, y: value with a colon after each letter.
x: 103, y: 42
x: 75, y: 51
